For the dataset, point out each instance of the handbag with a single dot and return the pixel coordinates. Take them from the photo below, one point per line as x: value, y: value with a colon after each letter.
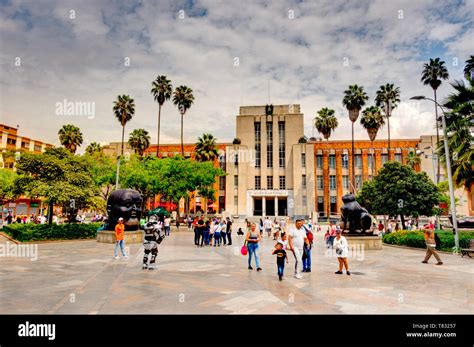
x: 339, y: 251
x: 244, y: 250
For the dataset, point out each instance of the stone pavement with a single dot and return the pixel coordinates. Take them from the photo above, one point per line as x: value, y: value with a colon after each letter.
x: 83, y: 277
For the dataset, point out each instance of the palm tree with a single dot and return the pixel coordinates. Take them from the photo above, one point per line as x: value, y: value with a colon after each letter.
x: 326, y: 122
x: 161, y: 90
x: 94, y: 147
x: 469, y: 68
x: 70, y: 137
x: 354, y: 99
x: 124, y: 109
x: 413, y: 160
x: 432, y: 74
x: 183, y: 98
x: 372, y: 120
x: 206, y: 148
x: 388, y: 97
x: 139, y: 140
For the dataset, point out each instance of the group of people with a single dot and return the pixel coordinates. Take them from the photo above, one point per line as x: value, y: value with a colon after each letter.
x: 214, y: 232
x: 24, y: 219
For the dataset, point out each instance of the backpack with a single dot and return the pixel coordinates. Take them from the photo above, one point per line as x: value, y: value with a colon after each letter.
x: 438, y: 242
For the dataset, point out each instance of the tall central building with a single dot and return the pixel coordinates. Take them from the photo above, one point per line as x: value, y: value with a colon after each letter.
x: 267, y: 171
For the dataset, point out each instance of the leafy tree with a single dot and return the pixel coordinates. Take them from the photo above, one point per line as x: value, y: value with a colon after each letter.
x: 388, y: 97
x: 7, y: 181
x: 70, y: 137
x: 124, y: 109
x: 206, y: 148
x: 139, y: 140
x: 399, y: 190
x: 469, y: 68
x: 413, y: 160
x: 102, y: 171
x: 94, y: 147
x: 372, y: 120
x: 161, y: 91
x: 183, y: 98
x: 326, y: 122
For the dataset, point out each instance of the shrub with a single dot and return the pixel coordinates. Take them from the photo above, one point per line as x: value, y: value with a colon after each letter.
x: 416, y: 239
x: 40, y: 232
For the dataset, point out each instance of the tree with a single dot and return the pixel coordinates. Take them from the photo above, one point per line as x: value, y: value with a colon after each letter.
x: 372, y: 120
x: 399, y: 190
x: 94, y: 147
x: 354, y: 99
x: 469, y: 68
x: 124, y: 109
x: 57, y: 176
x: 9, y: 158
x: 432, y: 74
x: 161, y: 91
x: 7, y: 181
x: 413, y: 160
x: 388, y: 97
x: 139, y: 140
x: 102, y: 172
x: 183, y: 98
x: 206, y: 148
x: 326, y: 122
x: 70, y: 137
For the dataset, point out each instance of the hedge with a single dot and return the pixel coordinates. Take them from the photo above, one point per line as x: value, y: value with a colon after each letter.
x: 416, y: 238
x: 40, y: 232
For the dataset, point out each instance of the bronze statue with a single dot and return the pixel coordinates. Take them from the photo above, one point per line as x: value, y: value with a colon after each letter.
x: 125, y: 203
x: 355, y: 218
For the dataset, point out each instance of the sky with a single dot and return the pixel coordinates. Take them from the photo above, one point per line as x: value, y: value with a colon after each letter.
x: 230, y: 53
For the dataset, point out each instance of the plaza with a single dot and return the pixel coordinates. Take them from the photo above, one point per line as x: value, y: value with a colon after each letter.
x: 81, y: 277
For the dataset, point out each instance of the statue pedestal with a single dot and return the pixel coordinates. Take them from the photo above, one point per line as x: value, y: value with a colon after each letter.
x: 367, y: 242
x: 108, y: 236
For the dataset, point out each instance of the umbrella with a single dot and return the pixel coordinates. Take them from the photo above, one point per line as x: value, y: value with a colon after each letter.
x: 160, y: 211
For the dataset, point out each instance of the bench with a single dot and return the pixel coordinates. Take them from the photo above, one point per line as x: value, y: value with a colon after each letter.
x: 467, y: 247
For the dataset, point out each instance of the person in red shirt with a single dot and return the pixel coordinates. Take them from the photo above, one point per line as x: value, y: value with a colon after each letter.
x: 119, y: 231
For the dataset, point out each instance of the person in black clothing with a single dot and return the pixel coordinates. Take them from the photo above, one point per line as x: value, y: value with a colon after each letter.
x: 229, y: 231
x: 223, y: 233
x: 281, y: 257
x: 198, y: 232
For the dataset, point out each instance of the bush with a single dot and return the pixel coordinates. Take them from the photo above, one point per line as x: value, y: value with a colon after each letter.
x: 40, y: 232
x: 416, y: 238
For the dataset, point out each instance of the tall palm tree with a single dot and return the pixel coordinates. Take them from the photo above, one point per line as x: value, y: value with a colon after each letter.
x: 70, y: 137
x: 124, y: 109
x: 326, y: 122
x: 388, y: 97
x: 354, y: 99
x: 372, y: 120
x: 432, y: 74
x: 469, y: 68
x: 161, y: 91
x: 139, y: 140
x: 183, y: 98
x: 413, y: 160
x: 94, y: 147
x: 206, y: 148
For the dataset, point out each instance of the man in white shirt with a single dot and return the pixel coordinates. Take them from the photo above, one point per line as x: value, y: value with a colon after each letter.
x: 167, y: 225
x: 296, y: 240
x: 267, y: 225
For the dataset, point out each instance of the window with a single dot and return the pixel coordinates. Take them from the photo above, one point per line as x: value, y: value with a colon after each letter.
x: 258, y: 182
x: 384, y: 158
x: 370, y: 159
x: 281, y: 145
x: 222, y: 183
x: 303, y: 159
x: 332, y: 182
x: 345, y: 160
x: 332, y: 161
x: 37, y: 148
x: 398, y: 157
x: 358, y: 181
x: 319, y: 161
x: 236, y: 181
x: 304, y: 200
x: 269, y: 144
x: 236, y: 200
x: 25, y: 145
x: 358, y: 161
x: 257, y: 144
x: 345, y: 182
x: 333, y: 199
x: 282, y: 182
x: 319, y: 182
x: 303, y: 181
x: 11, y: 141
x: 269, y: 182
x: 236, y: 159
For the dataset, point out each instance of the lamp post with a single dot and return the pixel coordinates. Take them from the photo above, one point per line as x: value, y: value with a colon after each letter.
x: 448, y: 168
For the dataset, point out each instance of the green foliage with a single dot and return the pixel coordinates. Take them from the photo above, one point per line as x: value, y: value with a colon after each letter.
x: 39, y: 232
x: 102, y: 171
x: 398, y: 190
x: 139, y: 140
x: 206, y: 148
x: 70, y: 137
x: 416, y: 238
x: 326, y: 122
x: 7, y: 181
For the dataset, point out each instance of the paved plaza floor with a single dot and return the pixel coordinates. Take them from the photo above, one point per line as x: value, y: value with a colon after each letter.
x: 82, y: 277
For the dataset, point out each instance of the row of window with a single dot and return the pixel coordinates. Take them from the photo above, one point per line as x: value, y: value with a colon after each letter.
x: 357, y: 160
x: 258, y: 145
x: 258, y: 182
x: 333, y: 182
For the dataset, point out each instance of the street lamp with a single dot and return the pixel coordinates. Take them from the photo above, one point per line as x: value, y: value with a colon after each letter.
x: 448, y: 167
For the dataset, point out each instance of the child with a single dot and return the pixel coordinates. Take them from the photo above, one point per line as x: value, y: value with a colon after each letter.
x: 119, y: 230
x: 284, y: 240
x: 326, y: 238
x: 281, y: 256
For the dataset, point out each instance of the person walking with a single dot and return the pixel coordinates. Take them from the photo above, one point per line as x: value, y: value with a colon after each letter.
x: 326, y: 239
x: 296, y: 241
x: 206, y: 232
x: 167, y: 225
x: 281, y: 257
x: 189, y: 220
x: 332, y: 233
x: 267, y: 224
x: 430, y: 244
x: 222, y: 224
x: 340, y: 244
x: 229, y: 231
x: 217, y: 234
x: 252, y: 239
x: 307, y: 250
x: 260, y: 226
x: 119, y: 235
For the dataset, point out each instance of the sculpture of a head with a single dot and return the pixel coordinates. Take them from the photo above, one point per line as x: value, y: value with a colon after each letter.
x: 125, y: 203
x: 348, y: 198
